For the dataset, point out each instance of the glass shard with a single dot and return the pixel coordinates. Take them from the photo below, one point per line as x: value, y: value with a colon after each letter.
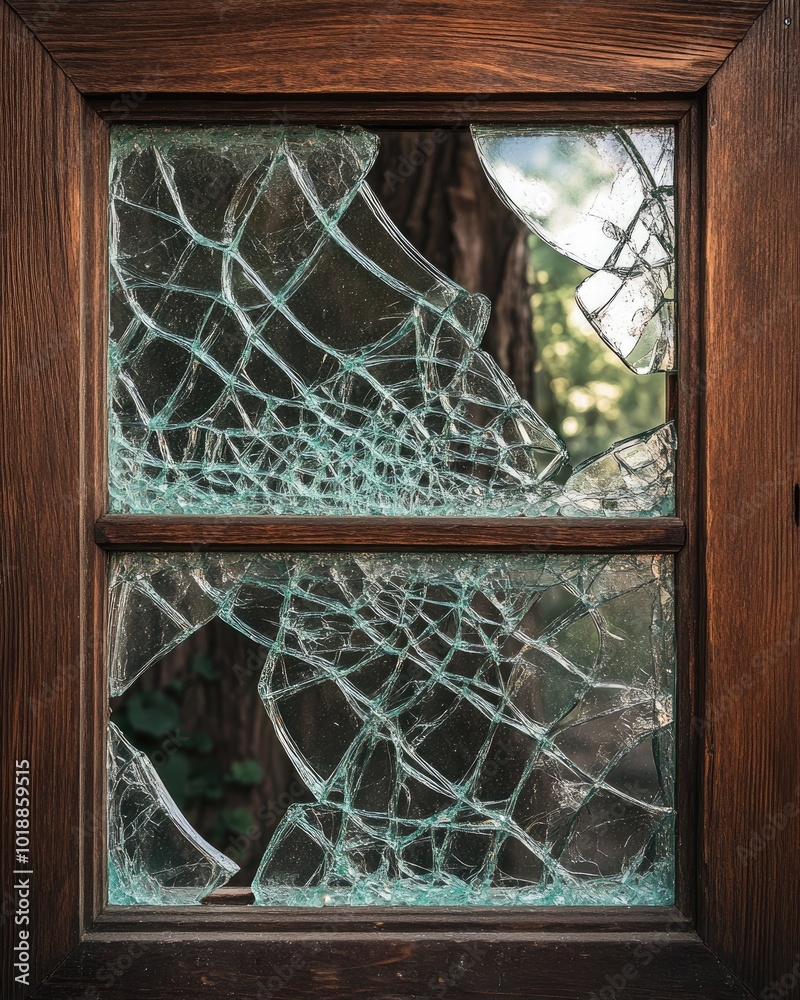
x: 636, y: 476
x: 490, y: 730
x: 154, y: 855
x: 604, y: 198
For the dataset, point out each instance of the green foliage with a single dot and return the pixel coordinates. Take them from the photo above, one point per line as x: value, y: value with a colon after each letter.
x: 231, y: 825
x: 246, y: 772
x: 203, y: 665
x: 153, y: 713
x: 207, y: 787
x: 205, y: 781
x: 583, y: 390
x: 174, y: 769
x: 238, y: 820
x: 200, y: 742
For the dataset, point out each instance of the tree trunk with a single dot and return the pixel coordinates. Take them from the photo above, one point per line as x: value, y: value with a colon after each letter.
x: 446, y: 208
x: 438, y: 196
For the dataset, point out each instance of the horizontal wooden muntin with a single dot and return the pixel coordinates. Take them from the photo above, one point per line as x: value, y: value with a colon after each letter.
x: 457, y: 111
x: 163, y: 533
x: 235, y: 902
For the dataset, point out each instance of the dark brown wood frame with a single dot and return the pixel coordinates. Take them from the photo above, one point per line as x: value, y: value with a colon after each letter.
x: 732, y: 70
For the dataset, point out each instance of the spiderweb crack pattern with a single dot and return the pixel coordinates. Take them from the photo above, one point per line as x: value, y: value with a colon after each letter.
x: 278, y: 347
x: 474, y: 729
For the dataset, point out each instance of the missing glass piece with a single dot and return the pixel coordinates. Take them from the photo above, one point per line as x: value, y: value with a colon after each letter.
x: 604, y: 198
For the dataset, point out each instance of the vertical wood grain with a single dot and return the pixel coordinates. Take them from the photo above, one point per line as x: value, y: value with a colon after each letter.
x: 94, y: 484
x: 47, y: 140
x: 52, y: 230
x: 684, y: 407
x: 751, y: 844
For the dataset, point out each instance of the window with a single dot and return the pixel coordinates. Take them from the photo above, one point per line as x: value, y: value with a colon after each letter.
x: 733, y: 630
x: 499, y: 729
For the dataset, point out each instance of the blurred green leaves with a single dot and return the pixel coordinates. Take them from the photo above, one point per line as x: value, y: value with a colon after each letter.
x: 174, y: 771
x: 203, y: 665
x: 583, y: 390
x: 200, y: 741
x: 153, y: 713
x: 246, y: 772
x: 205, y: 786
x: 239, y: 820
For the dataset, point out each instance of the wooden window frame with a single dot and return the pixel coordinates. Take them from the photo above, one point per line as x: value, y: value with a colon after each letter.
x: 727, y: 74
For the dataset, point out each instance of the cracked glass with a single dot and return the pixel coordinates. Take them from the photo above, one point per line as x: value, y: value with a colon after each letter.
x: 604, y: 198
x: 472, y: 729
x: 155, y: 857
x: 449, y: 729
x: 278, y: 347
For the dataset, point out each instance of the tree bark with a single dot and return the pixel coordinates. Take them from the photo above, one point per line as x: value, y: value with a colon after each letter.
x: 438, y: 196
x: 447, y: 209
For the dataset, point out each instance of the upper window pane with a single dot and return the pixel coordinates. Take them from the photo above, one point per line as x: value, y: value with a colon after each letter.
x: 279, y: 347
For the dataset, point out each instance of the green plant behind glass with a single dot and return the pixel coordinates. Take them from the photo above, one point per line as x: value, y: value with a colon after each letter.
x: 209, y: 793
x: 583, y: 390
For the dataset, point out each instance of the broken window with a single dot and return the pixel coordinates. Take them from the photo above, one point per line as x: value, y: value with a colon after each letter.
x: 472, y: 729
x: 460, y: 728
x: 278, y: 347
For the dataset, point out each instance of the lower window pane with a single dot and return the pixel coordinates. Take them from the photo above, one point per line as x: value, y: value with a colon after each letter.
x: 438, y: 729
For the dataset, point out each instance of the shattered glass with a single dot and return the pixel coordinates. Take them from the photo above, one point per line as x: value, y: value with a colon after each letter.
x: 154, y: 855
x: 474, y: 729
x: 604, y: 198
x: 635, y: 476
x: 278, y: 347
